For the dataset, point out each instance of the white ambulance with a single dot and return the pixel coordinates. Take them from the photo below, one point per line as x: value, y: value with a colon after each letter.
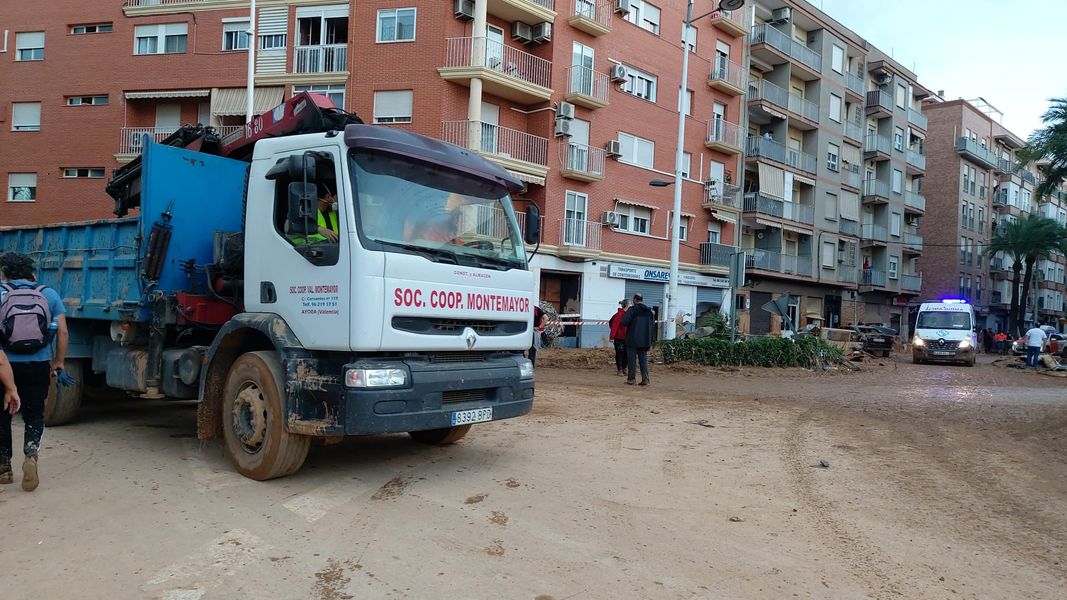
x: 945, y: 331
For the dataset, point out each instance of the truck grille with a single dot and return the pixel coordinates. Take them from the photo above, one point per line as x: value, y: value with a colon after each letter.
x: 456, y: 357
x: 437, y: 326
x: 465, y: 396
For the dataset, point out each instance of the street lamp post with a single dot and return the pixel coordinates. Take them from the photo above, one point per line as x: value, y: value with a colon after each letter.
x: 676, y: 217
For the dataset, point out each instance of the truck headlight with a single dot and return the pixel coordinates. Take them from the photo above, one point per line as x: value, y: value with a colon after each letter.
x: 375, y: 378
x: 525, y: 369
x: 917, y: 342
x: 965, y: 344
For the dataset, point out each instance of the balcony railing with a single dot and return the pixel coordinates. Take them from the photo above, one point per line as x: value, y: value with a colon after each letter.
x: 586, y: 81
x: 1029, y: 177
x: 508, y: 61
x: 848, y: 227
x: 757, y: 202
x: 586, y: 159
x: 783, y: 98
x: 778, y: 40
x: 131, y: 138
x: 778, y: 152
x: 917, y: 118
x: 855, y: 83
x: 767, y: 260
x: 913, y: 240
x: 912, y: 283
x: 803, y: 107
x: 716, y: 255
x: 724, y: 132
x: 854, y: 131
x: 878, y: 233
x: 877, y: 143
x: 496, y: 140
x: 730, y: 194
x: 879, y: 99
x: 735, y: 16
x: 875, y: 187
x: 915, y: 200
x: 970, y: 148
x: 1007, y: 165
x: 597, y: 11
x: 873, y: 278
x: 1000, y: 197
x: 578, y: 232
x: 730, y: 72
x: 330, y: 58
x: 851, y: 177
x: 916, y: 158
x: 847, y: 273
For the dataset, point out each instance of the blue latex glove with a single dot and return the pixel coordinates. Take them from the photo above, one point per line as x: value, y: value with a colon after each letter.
x: 63, y: 379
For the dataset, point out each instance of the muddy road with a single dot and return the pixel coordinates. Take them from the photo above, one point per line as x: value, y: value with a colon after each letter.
x: 939, y: 482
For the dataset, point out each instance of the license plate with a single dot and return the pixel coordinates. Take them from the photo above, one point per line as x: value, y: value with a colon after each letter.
x: 943, y: 353
x: 879, y: 340
x: 466, y: 417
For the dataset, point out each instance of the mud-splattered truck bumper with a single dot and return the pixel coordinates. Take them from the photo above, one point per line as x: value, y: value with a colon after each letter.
x: 411, y: 394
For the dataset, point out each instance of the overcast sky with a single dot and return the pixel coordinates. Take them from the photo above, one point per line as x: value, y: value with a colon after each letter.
x: 1010, y: 52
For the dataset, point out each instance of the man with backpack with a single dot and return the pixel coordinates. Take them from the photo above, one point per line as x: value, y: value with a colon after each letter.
x: 31, y: 317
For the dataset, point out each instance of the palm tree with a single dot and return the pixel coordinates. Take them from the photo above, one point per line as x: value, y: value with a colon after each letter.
x: 1025, y: 240
x: 1049, y: 144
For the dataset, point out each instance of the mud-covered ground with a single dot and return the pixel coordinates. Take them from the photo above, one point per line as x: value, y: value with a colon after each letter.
x: 940, y: 482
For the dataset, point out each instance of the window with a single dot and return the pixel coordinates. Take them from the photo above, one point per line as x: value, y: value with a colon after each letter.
x: 970, y: 217
x: 335, y: 92
x: 833, y: 151
x: 978, y: 288
x: 301, y: 229
x: 644, y: 15
x: 898, y: 139
x: 574, y: 218
x: 29, y: 46
x: 714, y: 231
x: 963, y: 215
x: 87, y: 100
x: 835, y: 108
x: 234, y: 34
x: 84, y: 173
x: 25, y: 116
x: 392, y: 107
x: 838, y: 58
x: 689, y: 102
x: 829, y: 253
x: 981, y: 219
x: 634, y: 219
x: 92, y: 28
x: 690, y: 37
x: 894, y: 266
x: 640, y: 84
x: 683, y: 228
x: 687, y: 161
x: 165, y: 38
x: 902, y: 96
x: 21, y: 187
x: 963, y: 250
x: 895, y: 220
x: 832, y: 206
x: 636, y: 151
x: 898, y: 181
x: 272, y: 41
x: 396, y: 25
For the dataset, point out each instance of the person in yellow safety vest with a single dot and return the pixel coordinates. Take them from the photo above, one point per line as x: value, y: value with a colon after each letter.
x: 328, y: 224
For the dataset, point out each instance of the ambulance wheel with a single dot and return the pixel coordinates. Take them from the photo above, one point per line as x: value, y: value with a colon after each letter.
x: 440, y: 437
x: 62, y: 403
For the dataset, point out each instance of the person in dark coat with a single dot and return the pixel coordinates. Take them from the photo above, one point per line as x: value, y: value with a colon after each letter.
x: 640, y: 324
x: 618, y: 336
x: 538, y: 327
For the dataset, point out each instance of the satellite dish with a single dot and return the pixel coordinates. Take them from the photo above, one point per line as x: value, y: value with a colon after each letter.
x: 731, y: 4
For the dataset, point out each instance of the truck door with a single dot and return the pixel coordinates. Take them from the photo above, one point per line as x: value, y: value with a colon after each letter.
x: 304, y: 278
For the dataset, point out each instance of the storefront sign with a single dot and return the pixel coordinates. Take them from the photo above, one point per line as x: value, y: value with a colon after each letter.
x: 664, y: 276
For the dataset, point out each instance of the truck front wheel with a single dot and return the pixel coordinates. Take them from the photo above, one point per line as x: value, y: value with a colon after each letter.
x: 63, y: 402
x: 253, y: 413
x: 440, y: 437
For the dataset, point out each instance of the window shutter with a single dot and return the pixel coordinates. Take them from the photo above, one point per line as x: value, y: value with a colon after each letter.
x: 31, y: 39
x: 26, y: 113
x: 393, y: 104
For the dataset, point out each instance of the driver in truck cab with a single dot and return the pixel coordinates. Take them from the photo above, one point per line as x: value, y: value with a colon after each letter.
x: 327, y: 220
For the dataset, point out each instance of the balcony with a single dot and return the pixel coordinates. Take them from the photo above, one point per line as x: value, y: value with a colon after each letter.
x: 913, y: 241
x: 983, y: 157
x: 328, y: 58
x: 875, y: 191
x: 776, y: 262
x: 854, y: 132
x: 917, y: 159
x: 505, y: 71
x: 918, y: 119
x: 870, y: 232
x: 579, y: 238
x: 799, y: 105
x: 850, y: 177
x: 512, y: 149
x: 730, y: 196
x: 586, y: 87
x: 527, y: 11
x: 914, y: 202
x: 787, y: 46
x: 848, y: 227
x: 761, y: 147
x: 724, y: 137
x: 592, y: 16
x: 879, y: 104
x: 999, y: 298
x: 727, y: 77
x: 847, y: 273
x: 911, y: 283
x: 716, y: 255
x: 1006, y: 165
x: 872, y: 278
x: 855, y: 85
x: 1029, y: 177
x: 131, y: 139
x: 877, y: 146
x: 584, y: 163
x: 790, y: 211
x: 733, y: 22
x: 143, y: 8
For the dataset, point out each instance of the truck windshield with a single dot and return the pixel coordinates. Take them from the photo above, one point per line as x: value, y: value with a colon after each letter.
x: 943, y: 320
x: 405, y: 205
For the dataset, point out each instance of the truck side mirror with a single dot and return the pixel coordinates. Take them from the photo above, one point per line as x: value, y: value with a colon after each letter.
x: 303, y: 208
x: 532, y: 227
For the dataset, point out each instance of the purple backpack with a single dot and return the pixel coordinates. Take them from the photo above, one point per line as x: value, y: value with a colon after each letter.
x: 24, y: 319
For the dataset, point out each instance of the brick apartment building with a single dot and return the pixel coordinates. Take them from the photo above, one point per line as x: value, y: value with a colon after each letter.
x: 974, y: 185
x: 577, y: 98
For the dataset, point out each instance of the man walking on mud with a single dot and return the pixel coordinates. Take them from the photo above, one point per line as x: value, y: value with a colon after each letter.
x: 640, y: 324
x: 31, y: 315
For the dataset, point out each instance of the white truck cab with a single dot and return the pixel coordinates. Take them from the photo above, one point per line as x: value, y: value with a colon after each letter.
x: 945, y: 331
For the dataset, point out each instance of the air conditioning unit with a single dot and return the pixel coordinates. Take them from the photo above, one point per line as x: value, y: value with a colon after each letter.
x: 563, y: 127
x: 610, y: 218
x: 622, y: 7
x: 521, y: 32
x: 565, y: 110
x: 542, y: 32
x: 883, y: 78
x: 465, y: 10
x: 618, y: 73
x: 781, y: 15
x: 614, y: 148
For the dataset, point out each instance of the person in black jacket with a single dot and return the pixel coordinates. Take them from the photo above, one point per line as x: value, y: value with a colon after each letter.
x: 640, y: 323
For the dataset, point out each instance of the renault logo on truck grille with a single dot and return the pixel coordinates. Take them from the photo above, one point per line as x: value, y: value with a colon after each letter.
x: 471, y: 337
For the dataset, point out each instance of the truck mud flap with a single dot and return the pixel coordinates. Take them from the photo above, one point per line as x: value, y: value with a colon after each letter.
x: 315, y: 401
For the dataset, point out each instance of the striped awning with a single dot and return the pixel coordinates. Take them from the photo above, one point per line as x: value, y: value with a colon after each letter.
x: 772, y: 181
x: 168, y: 94
x: 228, y: 102
x: 526, y: 177
x: 632, y: 203
x: 725, y: 217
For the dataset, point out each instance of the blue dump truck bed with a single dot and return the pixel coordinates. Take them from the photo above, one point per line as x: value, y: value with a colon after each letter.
x: 98, y: 267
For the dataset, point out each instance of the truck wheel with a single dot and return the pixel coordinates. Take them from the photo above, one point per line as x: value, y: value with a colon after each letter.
x: 253, y: 413
x: 62, y: 403
x: 440, y: 437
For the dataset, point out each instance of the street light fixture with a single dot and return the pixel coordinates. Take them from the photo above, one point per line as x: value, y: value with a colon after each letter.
x: 660, y: 183
x: 676, y: 217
